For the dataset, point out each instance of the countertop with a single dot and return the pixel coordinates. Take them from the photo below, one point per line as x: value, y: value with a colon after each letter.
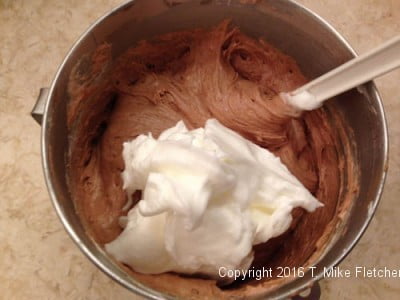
x: 38, y: 260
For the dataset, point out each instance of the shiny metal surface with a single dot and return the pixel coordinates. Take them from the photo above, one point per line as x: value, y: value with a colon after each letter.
x: 290, y: 27
x: 38, y: 110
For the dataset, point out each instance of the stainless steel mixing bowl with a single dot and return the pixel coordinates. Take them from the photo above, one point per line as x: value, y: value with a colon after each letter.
x: 295, y: 30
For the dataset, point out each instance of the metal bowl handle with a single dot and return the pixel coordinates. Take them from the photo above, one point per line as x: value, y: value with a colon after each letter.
x: 38, y: 110
x: 311, y: 293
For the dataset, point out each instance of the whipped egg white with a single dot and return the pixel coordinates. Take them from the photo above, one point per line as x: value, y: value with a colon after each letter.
x: 208, y: 196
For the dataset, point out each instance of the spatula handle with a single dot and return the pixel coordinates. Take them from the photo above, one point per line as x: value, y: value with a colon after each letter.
x: 349, y: 75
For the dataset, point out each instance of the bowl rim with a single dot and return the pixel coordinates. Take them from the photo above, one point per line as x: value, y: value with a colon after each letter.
x: 136, y: 286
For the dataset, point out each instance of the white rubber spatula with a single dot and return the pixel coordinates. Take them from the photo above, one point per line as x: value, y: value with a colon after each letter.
x: 349, y: 75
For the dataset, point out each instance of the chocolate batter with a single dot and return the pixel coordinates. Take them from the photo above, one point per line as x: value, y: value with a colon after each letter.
x: 195, y: 75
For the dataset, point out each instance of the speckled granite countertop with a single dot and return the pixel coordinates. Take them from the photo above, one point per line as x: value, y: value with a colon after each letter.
x: 37, y: 258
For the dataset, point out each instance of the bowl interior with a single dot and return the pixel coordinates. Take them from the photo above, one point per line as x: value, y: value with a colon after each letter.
x: 289, y: 27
